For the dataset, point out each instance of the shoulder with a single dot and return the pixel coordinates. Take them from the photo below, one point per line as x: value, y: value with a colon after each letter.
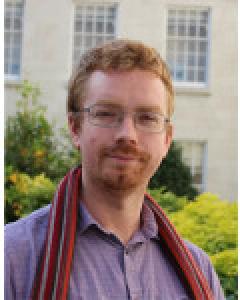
x: 23, y: 244
x: 207, y: 268
x: 22, y: 231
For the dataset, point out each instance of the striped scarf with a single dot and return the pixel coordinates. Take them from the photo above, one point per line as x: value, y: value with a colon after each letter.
x: 52, y: 276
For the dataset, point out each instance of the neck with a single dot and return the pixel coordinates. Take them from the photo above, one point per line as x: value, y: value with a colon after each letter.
x: 117, y: 212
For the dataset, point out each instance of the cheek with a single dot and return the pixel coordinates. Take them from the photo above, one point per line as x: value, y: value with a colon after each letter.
x: 88, y: 146
x: 158, y: 150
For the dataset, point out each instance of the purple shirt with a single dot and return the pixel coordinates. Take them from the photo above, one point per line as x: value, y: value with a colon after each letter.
x: 103, y: 268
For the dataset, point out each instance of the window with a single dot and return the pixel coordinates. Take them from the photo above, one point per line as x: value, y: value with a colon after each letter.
x: 188, y: 46
x: 13, y: 30
x: 93, y: 25
x: 194, y: 156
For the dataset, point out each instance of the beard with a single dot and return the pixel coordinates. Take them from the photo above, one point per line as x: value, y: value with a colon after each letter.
x: 121, y: 177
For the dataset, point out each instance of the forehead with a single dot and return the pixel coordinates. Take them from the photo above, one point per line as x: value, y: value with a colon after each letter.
x: 129, y: 89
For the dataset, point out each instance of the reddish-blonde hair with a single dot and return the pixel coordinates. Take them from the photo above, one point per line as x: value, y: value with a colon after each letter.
x: 119, y: 55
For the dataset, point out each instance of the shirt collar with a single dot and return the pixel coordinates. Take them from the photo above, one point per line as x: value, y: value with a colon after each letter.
x: 148, y: 223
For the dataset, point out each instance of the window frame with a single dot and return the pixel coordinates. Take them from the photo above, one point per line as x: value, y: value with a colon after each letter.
x: 82, y: 48
x: 184, y: 84
x: 8, y: 77
x: 200, y: 187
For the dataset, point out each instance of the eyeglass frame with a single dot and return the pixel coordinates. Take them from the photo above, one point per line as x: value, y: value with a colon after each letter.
x: 121, y: 118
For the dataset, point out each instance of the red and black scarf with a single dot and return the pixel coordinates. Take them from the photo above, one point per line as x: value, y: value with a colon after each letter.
x: 52, y: 277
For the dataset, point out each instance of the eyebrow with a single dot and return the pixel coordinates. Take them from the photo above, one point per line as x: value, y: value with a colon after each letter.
x: 153, y: 108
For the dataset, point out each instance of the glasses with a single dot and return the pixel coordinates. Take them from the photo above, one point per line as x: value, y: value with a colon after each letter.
x: 109, y: 116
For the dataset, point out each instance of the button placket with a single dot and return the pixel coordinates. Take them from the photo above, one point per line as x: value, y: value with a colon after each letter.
x: 130, y: 273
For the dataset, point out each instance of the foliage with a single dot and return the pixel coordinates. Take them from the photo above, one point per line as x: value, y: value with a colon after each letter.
x: 25, y: 194
x: 227, y: 275
x: 168, y: 201
x: 208, y: 222
x: 32, y: 147
x: 211, y: 223
x: 30, y: 143
x: 174, y: 175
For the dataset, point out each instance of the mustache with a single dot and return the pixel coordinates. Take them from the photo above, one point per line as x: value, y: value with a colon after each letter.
x: 127, y: 149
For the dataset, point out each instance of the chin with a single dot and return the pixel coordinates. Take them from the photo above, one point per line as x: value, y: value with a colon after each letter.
x: 123, y: 179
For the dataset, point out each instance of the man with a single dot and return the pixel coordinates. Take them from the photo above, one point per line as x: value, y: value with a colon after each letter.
x: 103, y: 237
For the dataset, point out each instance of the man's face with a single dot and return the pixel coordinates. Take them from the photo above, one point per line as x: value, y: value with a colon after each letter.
x: 124, y: 157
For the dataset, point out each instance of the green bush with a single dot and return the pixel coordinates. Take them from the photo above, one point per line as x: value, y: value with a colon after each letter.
x: 174, y: 175
x: 208, y: 222
x: 168, y: 201
x: 32, y: 148
x: 25, y: 194
x: 227, y: 273
x: 211, y: 223
x: 31, y: 145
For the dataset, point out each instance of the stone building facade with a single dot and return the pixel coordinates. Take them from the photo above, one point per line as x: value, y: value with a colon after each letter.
x: 198, y: 39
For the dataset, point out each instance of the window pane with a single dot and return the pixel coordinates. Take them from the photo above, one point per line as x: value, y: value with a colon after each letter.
x: 7, y: 23
x: 201, y: 76
x: 100, y: 24
x: 5, y: 67
x: 191, y: 60
x: 18, y: 11
x: 17, y: 37
x: 171, y: 45
x: 100, y: 10
x: 181, y: 29
x: 180, y: 59
x: 202, y: 61
x: 179, y: 73
x: 112, y: 12
x: 15, y: 68
x: 89, y: 25
x: 187, y: 43
x: 193, y: 155
x: 78, y: 25
x: 171, y: 29
x: 97, y: 23
x: 181, y: 46
x: 202, y: 31
x: 202, y: 46
x: 7, y: 38
x: 78, y: 40
x: 190, y: 75
x: 192, y: 29
x: 6, y: 53
x: 203, y: 17
x: 17, y: 23
x: 99, y: 40
x: 13, y: 20
x: 110, y: 27
x: 88, y: 42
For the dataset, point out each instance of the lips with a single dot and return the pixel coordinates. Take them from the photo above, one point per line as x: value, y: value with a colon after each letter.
x: 123, y: 157
x: 124, y: 153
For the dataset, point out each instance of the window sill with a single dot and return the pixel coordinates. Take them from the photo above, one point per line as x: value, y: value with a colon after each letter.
x: 12, y: 81
x: 192, y: 90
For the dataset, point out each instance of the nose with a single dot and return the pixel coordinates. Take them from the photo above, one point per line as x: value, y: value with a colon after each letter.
x: 127, y: 130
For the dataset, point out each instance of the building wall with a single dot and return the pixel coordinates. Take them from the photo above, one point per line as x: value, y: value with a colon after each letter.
x: 207, y: 114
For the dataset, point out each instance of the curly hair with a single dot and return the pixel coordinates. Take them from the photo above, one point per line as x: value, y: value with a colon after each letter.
x: 118, y: 55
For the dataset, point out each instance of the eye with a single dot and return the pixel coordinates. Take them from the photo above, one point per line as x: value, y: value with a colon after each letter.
x: 104, y: 112
x: 148, y: 117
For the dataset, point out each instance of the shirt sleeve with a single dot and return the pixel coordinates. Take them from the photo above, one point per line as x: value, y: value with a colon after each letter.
x: 9, y: 289
x: 214, y: 282
x: 207, y: 268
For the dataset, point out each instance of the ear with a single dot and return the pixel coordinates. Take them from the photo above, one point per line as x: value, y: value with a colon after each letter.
x: 74, y: 129
x: 168, y: 139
